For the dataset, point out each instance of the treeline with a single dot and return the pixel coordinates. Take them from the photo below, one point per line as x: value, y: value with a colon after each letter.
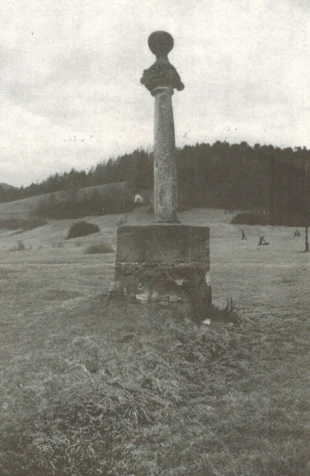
x: 223, y: 175
x: 241, y: 177
x: 136, y: 169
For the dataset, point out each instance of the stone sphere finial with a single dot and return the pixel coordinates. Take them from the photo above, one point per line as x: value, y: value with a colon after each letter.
x: 160, y: 43
x: 161, y: 74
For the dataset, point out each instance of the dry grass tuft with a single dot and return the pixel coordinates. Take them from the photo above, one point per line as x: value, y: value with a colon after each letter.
x: 149, y: 394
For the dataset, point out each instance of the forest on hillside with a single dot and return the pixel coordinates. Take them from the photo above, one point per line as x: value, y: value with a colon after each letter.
x: 221, y: 175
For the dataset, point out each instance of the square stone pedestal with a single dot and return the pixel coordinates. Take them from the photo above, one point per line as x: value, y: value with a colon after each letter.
x: 164, y: 263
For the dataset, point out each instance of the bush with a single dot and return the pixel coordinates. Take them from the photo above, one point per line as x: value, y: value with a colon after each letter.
x: 99, y: 248
x: 251, y: 218
x: 20, y: 246
x: 82, y: 228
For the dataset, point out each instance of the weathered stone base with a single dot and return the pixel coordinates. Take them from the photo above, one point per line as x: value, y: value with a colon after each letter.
x: 164, y: 263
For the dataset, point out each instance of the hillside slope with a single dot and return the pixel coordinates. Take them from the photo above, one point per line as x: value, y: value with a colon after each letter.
x: 26, y: 207
x: 6, y: 186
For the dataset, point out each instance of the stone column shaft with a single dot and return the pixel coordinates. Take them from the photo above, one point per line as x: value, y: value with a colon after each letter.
x: 161, y: 79
x: 165, y: 171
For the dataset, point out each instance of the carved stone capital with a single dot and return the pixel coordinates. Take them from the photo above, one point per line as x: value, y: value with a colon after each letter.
x: 161, y: 73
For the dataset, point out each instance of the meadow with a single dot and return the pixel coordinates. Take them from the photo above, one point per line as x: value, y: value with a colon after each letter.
x: 91, y: 387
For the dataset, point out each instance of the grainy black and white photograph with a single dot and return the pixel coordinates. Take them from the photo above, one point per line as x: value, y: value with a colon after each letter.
x: 154, y: 248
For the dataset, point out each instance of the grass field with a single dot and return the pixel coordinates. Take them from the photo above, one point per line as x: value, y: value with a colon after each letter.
x: 88, y: 387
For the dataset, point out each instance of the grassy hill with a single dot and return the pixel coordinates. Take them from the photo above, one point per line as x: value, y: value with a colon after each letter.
x: 22, y: 209
x: 6, y: 186
x: 91, y: 387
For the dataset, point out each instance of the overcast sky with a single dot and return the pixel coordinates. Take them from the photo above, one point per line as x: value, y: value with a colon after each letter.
x: 70, y: 78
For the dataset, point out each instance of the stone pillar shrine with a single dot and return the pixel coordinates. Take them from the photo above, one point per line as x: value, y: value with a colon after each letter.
x: 165, y: 262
